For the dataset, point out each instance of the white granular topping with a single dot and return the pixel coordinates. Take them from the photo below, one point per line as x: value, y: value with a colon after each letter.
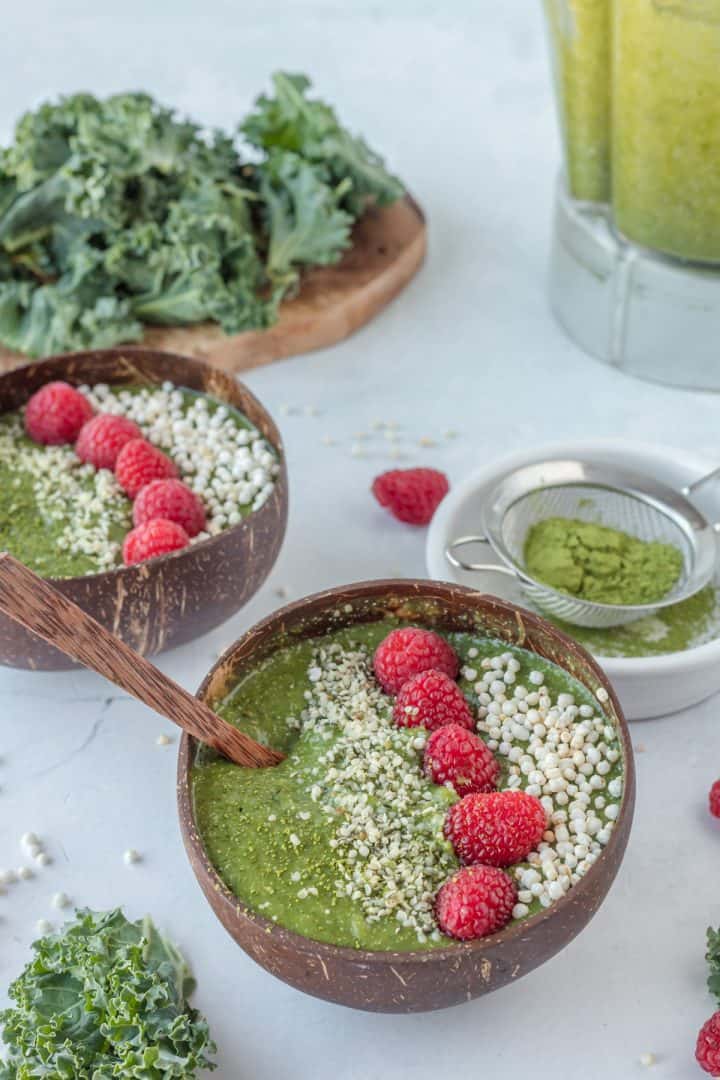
x: 229, y: 466
x: 568, y: 756
x: 389, y: 842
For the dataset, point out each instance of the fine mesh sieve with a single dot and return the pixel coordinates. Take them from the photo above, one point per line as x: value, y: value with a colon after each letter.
x: 602, y: 494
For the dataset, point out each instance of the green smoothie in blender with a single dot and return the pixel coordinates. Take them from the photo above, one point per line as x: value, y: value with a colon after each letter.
x: 666, y: 125
x: 580, y: 38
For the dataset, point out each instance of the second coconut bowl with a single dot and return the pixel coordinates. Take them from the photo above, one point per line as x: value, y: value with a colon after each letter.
x: 168, y: 601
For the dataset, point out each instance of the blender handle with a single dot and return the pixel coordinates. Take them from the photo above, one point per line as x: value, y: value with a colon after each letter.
x: 463, y: 541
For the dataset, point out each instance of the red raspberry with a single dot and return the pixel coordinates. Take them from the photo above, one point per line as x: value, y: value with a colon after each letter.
x: 714, y: 799
x: 498, y: 829
x: 430, y: 700
x: 102, y: 439
x: 55, y: 413
x: 475, y: 902
x: 707, y: 1050
x: 408, y: 651
x: 411, y: 495
x: 138, y: 463
x: 172, y: 500
x: 153, y: 538
x: 454, y: 754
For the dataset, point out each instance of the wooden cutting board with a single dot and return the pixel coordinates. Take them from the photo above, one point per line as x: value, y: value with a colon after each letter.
x: 388, y: 249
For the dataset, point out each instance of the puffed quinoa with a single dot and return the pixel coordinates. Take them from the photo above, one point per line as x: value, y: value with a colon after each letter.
x: 562, y: 753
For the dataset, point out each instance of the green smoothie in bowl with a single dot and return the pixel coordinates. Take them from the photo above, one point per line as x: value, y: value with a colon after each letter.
x: 72, y: 497
x: 492, y: 777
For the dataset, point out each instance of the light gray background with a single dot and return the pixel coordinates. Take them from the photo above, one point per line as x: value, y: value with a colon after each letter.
x: 457, y: 95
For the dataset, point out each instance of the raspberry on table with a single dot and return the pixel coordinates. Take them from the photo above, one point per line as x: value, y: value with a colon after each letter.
x: 497, y: 829
x: 409, y: 650
x: 153, y: 538
x: 138, y: 463
x: 707, y: 1050
x: 457, y: 756
x: 411, y: 495
x: 55, y: 414
x: 172, y: 500
x: 475, y: 902
x: 103, y: 437
x: 431, y: 699
x: 714, y: 799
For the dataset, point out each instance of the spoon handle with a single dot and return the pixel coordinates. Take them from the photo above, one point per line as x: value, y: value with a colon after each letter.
x: 40, y: 608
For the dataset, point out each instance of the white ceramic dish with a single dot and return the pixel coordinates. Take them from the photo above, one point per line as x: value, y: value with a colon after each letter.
x: 646, y: 686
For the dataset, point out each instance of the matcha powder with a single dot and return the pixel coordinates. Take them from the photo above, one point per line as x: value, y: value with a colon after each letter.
x: 600, y: 564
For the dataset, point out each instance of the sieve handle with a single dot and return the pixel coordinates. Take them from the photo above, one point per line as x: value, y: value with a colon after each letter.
x: 690, y: 489
x: 463, y: 541
x: 701, y: 481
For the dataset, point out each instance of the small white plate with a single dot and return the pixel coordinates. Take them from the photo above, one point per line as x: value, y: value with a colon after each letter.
x: 646, y: 686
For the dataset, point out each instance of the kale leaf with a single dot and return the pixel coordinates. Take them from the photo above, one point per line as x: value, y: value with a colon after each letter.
x: 291, y: 121
x: 115, y: 213
x: 105, y: 997
x: 303, y: 217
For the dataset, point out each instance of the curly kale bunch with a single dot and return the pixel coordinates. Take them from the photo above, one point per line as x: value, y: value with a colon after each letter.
x: 104, y: 998
x: 115, y: 213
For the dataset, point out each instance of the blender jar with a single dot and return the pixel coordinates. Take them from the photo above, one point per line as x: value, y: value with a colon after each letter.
x: 635, y: 273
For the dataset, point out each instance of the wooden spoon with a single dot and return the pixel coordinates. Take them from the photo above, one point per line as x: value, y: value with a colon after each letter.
x: 30, y: 601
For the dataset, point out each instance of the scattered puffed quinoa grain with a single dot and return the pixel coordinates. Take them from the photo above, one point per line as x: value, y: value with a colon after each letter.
x: 602, y: 695
x: 131, y: 856
x: 647, y: 1059
x: 29, y: 840
x: 60, y: 900
x: 24, y: 873
x: 163, y: 740
x: 43, y: 927
x: 42, y: 858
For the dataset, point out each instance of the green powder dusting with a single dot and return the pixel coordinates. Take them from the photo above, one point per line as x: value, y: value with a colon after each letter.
x: 600, y: 564
x: 673, y: 629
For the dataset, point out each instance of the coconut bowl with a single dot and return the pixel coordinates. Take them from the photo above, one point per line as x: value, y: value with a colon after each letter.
x: 417, y: 981
x: 171, y: 600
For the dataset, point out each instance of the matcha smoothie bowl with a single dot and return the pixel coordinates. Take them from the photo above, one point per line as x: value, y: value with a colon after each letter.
x: 148, y: 487
x: 454, y: 803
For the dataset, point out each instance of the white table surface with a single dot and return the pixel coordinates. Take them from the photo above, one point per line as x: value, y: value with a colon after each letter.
x: 458, y: 97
